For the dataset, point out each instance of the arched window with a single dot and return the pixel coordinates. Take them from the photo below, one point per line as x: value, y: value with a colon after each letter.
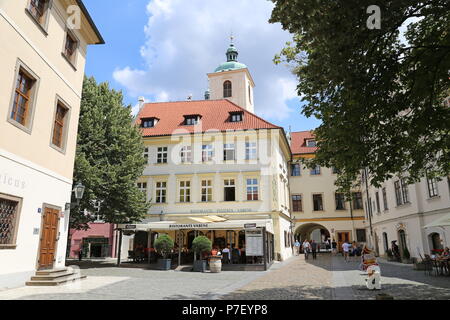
x: 227, y: 89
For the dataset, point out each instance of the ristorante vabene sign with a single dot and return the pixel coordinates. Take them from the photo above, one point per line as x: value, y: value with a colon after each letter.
x: 189, y: 226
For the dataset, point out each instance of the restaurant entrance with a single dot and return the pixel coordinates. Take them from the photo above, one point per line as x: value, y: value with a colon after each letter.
x: 250, y: 248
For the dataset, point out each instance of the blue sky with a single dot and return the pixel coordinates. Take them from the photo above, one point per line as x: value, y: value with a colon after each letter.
x: 162, y: 50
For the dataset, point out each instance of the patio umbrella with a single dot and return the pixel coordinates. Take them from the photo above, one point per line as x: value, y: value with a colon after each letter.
x: 441, y: 222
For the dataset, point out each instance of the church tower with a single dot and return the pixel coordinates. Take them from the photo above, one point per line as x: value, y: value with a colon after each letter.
x: 232, y: 80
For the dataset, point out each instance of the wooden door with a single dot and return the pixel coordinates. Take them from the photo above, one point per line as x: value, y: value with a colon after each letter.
x: 49, y: 239
x: 342, y: 237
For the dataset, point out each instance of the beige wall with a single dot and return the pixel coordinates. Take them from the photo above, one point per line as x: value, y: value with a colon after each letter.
x: 240, y: 80
x: 40, y: 51
x: 331, y: 219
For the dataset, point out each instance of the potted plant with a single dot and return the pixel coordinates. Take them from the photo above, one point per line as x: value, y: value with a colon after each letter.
x: 164, y: 245
x: 201, y: 245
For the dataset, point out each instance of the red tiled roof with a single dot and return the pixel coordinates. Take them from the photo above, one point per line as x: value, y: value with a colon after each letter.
x: 298, y: 142
x: 215, y: 116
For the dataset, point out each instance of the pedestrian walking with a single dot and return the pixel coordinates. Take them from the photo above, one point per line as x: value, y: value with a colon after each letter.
x: 226, y: 254
x: 297, y: 247
x: 333, y: 248
x: 80, y: 254
x: 314, y: 249
x: 345, y: 250
x: 306, y: 248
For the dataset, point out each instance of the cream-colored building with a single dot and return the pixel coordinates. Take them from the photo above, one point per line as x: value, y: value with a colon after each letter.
x: 42, y: 59
x: 319, y: 212
x: 401, y: 212
x: 215, y: 168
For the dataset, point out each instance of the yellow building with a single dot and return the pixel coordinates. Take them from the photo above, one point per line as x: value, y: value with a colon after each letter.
x: 217, y: 169
x: 319, y: 212
x: 42, y: 60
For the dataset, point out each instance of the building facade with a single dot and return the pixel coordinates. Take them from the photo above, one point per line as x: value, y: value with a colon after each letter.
x: 400, y: 212
x: 43, y: 55
x: 319, y: 212
x: 98, y: 241
x: 215, y: 168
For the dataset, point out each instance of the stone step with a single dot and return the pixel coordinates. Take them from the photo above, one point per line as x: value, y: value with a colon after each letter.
x: 55, y: 282
x: 51, y: 271
x: 52, y: 276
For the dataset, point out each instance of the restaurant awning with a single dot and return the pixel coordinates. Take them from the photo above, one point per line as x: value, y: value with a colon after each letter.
x: 441, y: 222
x: 203, y: 223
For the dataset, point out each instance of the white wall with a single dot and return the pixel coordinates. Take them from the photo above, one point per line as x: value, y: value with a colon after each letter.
x: 36, y: 186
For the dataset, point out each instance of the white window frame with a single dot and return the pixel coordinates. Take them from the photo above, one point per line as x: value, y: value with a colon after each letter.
x: 161, y: 192
x: 321, y: 197
x: 229, y: 147
x: 206, y: 190
x: 315, y: 171
x: 252, y: 185
x: 251, y: 150
x: 227, y: 184
x: 207, y: 152
x: 162, y: 154
x: 432, y: 186
x: 184, y: 191
x: 186, y: 154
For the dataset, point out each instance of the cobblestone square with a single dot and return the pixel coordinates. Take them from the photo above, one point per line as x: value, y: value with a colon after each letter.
x: 327, y: 278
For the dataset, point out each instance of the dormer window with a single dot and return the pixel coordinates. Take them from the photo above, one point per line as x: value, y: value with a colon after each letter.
x: 236, y: 116
x: 191, y: 120
x: 149, y: 122
x: 311, y: 143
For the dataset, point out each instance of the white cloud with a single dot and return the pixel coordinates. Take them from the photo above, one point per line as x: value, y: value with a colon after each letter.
x: 188, y: 39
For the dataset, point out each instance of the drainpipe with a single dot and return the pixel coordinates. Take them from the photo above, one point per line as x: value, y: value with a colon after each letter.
x: 369, y: 206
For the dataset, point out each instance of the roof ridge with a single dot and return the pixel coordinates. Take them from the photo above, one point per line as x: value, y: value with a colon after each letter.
x: 251, y: 113
x: 178, y: 101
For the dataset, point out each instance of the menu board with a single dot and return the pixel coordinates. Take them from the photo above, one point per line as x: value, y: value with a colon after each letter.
x: 254, y: 243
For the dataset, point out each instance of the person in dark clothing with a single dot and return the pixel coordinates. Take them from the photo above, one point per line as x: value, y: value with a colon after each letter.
x: 314, y: 249
x: 80, y: 254
x: 334, y: 247
x: 235, y: 255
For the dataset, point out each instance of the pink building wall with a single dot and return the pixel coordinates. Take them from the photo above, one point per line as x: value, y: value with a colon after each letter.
x: 96, y: 230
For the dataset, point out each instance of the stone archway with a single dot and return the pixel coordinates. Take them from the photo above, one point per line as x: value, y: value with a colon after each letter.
x: 310, y: 231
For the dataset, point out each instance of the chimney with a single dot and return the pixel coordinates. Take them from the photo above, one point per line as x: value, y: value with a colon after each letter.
x: 141, y: 102
x: 207, y: 95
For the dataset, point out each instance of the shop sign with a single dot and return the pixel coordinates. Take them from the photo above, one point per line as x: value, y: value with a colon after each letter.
x: 249, y: 225
x: 130, y: 226
x: 12, y: 181
x: 222, y: 210
x: 189, y: 226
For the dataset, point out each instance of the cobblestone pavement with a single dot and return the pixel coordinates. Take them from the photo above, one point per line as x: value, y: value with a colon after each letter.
x: 295, y: 279
x: 106, y: 282
x: 333, y: 278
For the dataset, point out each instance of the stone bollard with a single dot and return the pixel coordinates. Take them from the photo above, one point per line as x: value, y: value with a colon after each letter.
x: 373, y: 280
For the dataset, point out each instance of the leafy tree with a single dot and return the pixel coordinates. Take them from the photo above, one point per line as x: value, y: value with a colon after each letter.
x: 109, y: 158
x: 379, y: 96
x: 164, y: 245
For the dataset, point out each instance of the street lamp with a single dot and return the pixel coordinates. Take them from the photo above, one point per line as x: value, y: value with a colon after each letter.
x: 79, y: 192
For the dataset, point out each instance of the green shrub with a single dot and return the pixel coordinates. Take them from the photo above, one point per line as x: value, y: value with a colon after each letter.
x: 406, y: 254
x: 201, y: 244
x: 389, y: 253
x: 164, y: 245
